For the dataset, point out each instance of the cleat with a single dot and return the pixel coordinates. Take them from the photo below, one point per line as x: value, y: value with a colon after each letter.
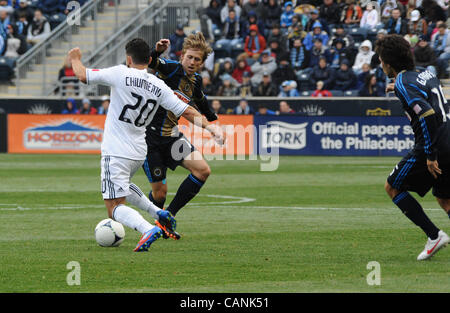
x: 170, y: 233
x: 433, y: 246
x: 147, y: 239
x: 167, y: 223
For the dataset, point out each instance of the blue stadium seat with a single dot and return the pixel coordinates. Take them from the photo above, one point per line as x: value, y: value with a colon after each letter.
x: 337, y: 93
x: 6, y: 69
x: 358, y: 34
x: 236, y: 50
x: 221, y: 50
x: 304, y: 82
x: 306, y: 93
x: 372, y: 34
x: 351, y: 93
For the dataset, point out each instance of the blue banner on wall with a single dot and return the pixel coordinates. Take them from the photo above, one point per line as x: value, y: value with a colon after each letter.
x: 326, y: 135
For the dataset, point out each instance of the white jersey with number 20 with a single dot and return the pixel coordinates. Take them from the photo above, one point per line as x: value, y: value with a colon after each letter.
x: 135, y: 97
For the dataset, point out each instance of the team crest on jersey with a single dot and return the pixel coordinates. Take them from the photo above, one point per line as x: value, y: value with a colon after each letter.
x: 182, y: 96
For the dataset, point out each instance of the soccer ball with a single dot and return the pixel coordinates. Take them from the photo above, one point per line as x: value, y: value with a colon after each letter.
x: 109, y: 233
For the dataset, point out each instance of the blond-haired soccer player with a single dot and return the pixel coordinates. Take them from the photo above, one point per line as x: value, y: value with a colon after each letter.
x: 136, y: 96
x: 167, y: 148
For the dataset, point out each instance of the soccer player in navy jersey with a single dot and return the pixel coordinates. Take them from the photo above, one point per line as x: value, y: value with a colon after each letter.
x: 427, y: 165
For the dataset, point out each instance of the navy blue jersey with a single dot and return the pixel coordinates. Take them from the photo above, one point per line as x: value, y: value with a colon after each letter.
x: 426, y: 107
x: 187, y: 87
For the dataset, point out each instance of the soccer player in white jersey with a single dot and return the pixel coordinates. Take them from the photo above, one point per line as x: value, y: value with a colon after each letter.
x: 135, y: 97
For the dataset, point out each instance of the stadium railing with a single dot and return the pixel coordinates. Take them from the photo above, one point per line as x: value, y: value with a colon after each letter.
x: 62, y: 34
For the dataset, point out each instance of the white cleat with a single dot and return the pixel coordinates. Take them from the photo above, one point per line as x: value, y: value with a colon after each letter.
x: 433, y: 246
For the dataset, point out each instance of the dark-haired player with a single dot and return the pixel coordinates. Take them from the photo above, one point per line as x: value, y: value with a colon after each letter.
x: 427, y: 165
x: 135, y: 97
x: 167, y: 148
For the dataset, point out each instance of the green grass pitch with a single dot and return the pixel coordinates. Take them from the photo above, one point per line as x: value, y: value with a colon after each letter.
x: 311, y: 226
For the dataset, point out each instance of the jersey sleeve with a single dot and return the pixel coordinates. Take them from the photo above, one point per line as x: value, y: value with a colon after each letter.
x: 171, y: 102
x: 163, y: 66
x: 201, y: 101
x: 416, y: 98
x: 106, y: 76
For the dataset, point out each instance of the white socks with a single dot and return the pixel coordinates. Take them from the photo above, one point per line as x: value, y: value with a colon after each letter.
x: 131, y: 218
x: 138, y: 199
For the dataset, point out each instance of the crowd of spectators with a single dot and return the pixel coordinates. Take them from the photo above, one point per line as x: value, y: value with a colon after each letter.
x: 317, y: 48
x: 86, y: 107
x: 24, y: 23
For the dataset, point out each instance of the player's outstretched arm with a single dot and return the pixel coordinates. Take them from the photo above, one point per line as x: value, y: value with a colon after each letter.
x: 193, y: 116
x: 78, y: 68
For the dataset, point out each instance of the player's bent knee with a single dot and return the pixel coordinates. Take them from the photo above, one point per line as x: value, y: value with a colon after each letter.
x: 391, y: 191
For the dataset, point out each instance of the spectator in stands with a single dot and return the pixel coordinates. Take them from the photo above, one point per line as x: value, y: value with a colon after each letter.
x: 345, y: 78
x: 230, y: 32
x: 265, y: 64
x: 217, y: 107
x: 286, y: 16
x: 316, y: 33
x: 13, y: 44
x: 5, y: 20
x: 66, y: 76
x: 263, y: 110
x: 228, y: 88
x: 441, y: 42
x: 213, y: 12
x: 371, y: 88
x: 285, y: 108
x: 208, y: 87
x: 320, y: 92
x: 252, y: 19
x: 297, y: 32
x: 288, y: 89
x: 6, y: 6
x: 396, y: 24
x: 370, y: 18
x: 417, y: 25
x: 273, y: 14
x: 231, y: 5
x: 22, y: 24
x: 241, y: 68
x: 70, y: 107
x: 315, y: 18
x: 351, y: 14
x: 361, y: 77
x: 316, y: 53
x: 266, y: 88
x: 2, y: 45
x: 257, y: 7
x: 433, y: 11
x: 284, y: 71
x: 254, y: 44
x: 24, y: 10
x: 424, y: 55
x: 245, y: 89
x: 176, y: 42
x: 331, y: 12
x: 299, y: 56
x: 341, y: 33
x: 336, y: 53
x: 86, y: 107
x: 276, y: 34
x: 104, y: 106
x: 364, y: 56
x: 39, y: 28
x: 243, y: 108
x: 323, y: 72
x: 225, y: 67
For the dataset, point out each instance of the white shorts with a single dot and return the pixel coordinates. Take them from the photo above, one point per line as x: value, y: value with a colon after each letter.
x: 116, y: 174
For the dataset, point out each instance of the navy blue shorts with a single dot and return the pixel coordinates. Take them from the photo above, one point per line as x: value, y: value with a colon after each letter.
x: 411, y: 174
x: 163, y: 153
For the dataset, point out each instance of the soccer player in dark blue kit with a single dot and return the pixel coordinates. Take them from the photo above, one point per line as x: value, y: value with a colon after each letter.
x: 427, y: 165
